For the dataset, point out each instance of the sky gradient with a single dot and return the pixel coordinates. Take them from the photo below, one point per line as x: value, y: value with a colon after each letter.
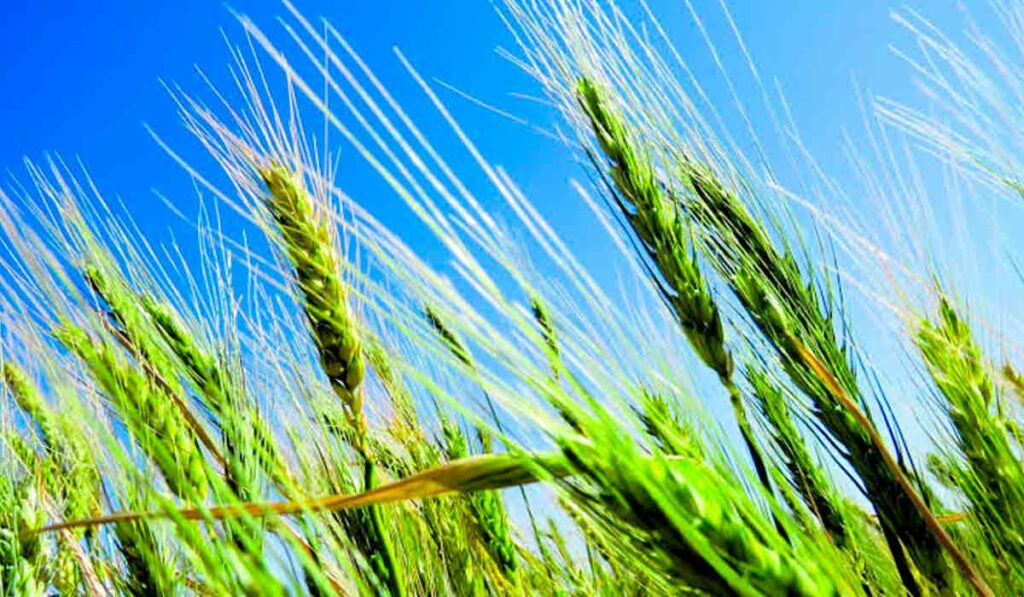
x: 82, y: 78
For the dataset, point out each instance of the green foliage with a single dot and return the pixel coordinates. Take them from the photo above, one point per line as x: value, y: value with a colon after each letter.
x: 316, y: 430
x: 987, y: 467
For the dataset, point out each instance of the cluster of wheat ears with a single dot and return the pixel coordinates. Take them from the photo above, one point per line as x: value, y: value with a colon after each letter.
x: 321, y: 410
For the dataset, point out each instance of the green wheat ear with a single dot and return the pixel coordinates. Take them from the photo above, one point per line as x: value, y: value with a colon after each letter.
x: 664, y: 425
x: 69, y: 450
x: 692, y: 524
x: 566, y: 409
x: 21, y: 556
x: 655, y: 215
x: 1015, y: 381
x: 806, y: 476
x: 547, y: 329
x: 787, y: 308
x: 486, y: 507
x: 380, y: 360
x: 31, y: 402
x: 308, y: 243
x: 991, y: 476
x: 147, y: 569
x: 305, y: 234
x: 146, y: 411
x: 247, y: 434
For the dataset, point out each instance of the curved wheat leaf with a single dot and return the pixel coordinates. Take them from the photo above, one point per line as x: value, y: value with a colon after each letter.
x: 475, y: 473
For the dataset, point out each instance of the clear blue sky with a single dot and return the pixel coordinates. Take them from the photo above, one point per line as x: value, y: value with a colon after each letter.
x: 80, y: 78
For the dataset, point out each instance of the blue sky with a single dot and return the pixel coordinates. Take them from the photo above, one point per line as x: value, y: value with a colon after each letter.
x: 81, y: 78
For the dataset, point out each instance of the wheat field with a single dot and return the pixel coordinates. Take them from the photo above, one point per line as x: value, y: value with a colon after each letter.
x: 787, y: 387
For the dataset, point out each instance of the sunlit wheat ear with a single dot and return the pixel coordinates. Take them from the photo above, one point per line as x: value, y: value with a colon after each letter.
x: 406, y: 427
x: 251, y: 432
x: 126, y: 315
x: 991, y: 476
x: 147, y: 567
x: 666, y: 428
x: 128, y: 324
x: 785, y: 307
x: 487, y: 508
x: 690, y: 524
x: 308, y: 243
x: 455, y: 346
x: 1015, y: 380
x: 549, y: 335
x: 248, y: 444
x: 145, y: 410
x: 202, y: 368
x: 494, y: 530
x: 390, y: 378
x: 21, y: 557
x: 655, y: 216
x: 449, y: 339
x: 42, y: 482
x: 65, y: 442
x: 902, y: 479
x: 542, y: 316
x: 29, y: 400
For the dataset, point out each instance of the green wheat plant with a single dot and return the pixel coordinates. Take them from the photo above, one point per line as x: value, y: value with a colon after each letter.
x: 770, y: 393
